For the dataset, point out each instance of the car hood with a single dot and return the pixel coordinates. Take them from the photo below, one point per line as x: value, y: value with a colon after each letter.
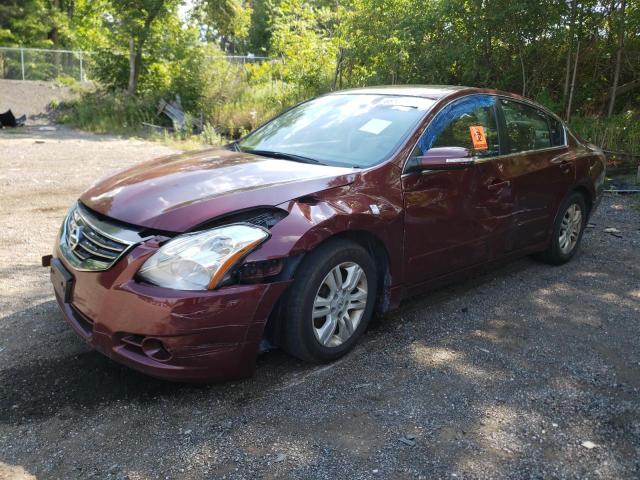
x: 177, y: 193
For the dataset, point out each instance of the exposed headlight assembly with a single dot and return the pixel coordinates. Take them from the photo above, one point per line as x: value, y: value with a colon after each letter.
x: 199, y: 261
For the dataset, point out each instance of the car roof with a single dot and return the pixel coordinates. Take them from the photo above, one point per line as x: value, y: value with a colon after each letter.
x: 433, y: 92
x: 439, y: 92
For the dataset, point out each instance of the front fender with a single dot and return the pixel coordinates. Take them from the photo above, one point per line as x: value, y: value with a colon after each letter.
x: 313, y: 219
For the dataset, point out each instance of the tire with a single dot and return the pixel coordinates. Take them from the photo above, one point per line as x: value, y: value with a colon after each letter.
x: 306, y: 331
x: 562, y: 249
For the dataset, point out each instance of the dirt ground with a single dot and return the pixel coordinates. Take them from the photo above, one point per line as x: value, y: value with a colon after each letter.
x: 505, y: 375
x: 33, y: 98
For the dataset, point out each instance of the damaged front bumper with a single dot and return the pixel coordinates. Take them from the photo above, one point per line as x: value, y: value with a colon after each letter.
x: 168, y: 334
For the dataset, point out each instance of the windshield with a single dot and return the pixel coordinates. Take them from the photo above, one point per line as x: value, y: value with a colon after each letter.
x: 358, y: 130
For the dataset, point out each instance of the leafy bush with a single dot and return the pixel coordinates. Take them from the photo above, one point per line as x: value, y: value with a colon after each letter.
x: 65, y: 80
x: 54, y: 103
x: 620, y: 133
x: 111, y: 112
x: 210, y: 136
x: 242, y: 109
x: 232, y: 99
x: 304, y: 38
x: 546, y: 99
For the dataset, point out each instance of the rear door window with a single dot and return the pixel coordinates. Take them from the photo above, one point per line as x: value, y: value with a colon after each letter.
x: 469, y: 123
x: 527, y: 127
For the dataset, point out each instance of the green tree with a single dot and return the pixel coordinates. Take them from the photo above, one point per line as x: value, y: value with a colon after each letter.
x: 26, y: 23
x: 262, y: 13
x: 306, y: 40
x: 560, y: 52
x: 134, y: 19
x: 225, y: 22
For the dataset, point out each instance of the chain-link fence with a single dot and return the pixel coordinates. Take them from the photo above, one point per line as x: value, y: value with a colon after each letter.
x: 48, y: 65
x: 244, y: 59
x: 41, y: 64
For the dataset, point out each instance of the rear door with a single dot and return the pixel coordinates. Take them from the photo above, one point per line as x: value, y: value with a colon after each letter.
x: 541, y: 168
x: 455, y: 219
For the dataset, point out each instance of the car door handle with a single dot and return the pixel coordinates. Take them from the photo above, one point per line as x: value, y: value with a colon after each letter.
x: 499, y: 184
x: 565, y: 165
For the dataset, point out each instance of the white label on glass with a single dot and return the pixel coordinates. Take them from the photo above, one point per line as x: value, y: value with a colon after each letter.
x: 375, y: 126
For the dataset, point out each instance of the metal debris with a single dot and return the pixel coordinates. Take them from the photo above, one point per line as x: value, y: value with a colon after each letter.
x: 175, y: 112
x: 613, y: 231
x: 408, y: 440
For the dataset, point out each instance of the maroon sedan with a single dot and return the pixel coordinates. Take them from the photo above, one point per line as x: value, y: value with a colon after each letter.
x: 186, y: 266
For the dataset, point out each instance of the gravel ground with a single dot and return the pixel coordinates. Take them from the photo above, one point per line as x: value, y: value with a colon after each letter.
x: 505, y: 375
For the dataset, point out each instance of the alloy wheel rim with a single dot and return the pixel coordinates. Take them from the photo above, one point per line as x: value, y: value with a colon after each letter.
x: 570, y: 228
x: 339, y: 304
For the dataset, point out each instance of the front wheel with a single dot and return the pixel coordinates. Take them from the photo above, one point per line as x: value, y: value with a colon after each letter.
x: 567, y: 230
x: 330, y: 302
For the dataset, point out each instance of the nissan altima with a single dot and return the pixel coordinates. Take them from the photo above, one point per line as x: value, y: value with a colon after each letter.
x: 186, y: 266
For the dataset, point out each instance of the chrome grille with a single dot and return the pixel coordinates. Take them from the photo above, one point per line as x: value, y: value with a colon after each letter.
x: 85, y: 242
x: 89, y: 243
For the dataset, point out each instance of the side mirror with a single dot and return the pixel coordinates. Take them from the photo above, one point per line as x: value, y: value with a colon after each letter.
x: 446, y: 158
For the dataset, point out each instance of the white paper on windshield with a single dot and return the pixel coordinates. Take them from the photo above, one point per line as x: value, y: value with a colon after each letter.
x: 375, y: 126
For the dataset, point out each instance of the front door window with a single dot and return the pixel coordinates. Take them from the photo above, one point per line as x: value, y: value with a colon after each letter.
x: 469, y: 122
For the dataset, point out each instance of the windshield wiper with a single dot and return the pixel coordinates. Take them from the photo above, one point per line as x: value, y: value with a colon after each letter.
x: 283, y: 156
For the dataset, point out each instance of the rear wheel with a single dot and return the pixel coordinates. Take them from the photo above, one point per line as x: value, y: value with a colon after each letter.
x: 330, y: 302
x: 567, y: 230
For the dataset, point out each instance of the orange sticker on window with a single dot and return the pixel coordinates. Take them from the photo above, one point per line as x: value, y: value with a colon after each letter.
x: 478, y: 138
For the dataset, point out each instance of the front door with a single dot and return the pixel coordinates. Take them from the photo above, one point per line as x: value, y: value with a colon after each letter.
x: 455, y: 219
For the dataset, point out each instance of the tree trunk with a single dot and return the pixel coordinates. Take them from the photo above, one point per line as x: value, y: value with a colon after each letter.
x: 70, y: 9
x: 616, y: 72
x: 53, y: 34
x: 568, y: 73
x: 55, y: 40
x: 524, y: 73
x: 135, y: 51
x: 133, y: 67
x: 572, y: 36
x: 573, y: 82
x: 338, y: 71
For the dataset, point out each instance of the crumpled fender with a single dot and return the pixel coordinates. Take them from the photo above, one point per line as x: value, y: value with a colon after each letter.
x: 355, y: 208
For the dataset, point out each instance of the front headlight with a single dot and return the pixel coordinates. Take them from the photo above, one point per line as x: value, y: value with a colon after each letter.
x: 198, y: 261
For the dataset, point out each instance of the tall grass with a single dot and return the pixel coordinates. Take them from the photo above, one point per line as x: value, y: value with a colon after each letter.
x: 254, y: 105
x: 231, y: 98
x: 620, y: 133
x: 110, y: 112
x: 231, y: 113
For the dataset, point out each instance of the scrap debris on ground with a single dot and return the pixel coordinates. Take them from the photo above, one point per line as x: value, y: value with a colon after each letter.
x: 8, y: 119
x: 174, y: 111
